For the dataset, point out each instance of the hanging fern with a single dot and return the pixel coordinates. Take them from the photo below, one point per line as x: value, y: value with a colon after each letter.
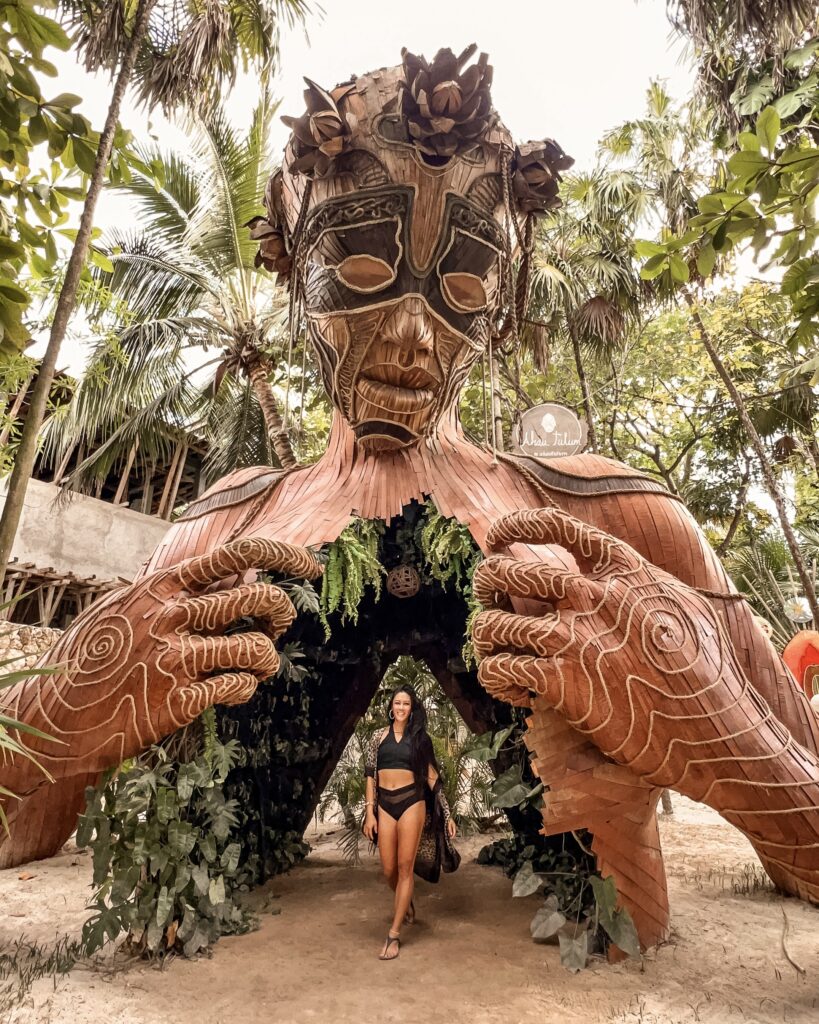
x: 352, y: 565
x: 451, y: 555
x: 449, y: 550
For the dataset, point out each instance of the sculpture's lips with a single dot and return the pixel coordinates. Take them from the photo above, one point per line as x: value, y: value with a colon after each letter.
x: 393, y: 399
x: 410, y: 377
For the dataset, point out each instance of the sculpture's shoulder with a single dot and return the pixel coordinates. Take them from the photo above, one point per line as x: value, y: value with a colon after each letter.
x: 216, y: 516
x: 236, y: 488
x: 586, y: 474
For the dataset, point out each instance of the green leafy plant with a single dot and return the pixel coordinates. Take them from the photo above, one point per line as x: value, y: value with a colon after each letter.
x: 580, y: 910
x: 451, y: 555
x: 165, y: 852
x: 352, y: 565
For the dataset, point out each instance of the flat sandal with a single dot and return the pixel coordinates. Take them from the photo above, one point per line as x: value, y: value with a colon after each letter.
x: 390, y: 940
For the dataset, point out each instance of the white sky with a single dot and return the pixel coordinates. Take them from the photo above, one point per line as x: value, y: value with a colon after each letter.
x: 567, y: 69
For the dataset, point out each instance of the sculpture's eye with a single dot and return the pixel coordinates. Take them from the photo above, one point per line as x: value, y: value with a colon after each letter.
x: 464, y: 292
x: 364, y: 273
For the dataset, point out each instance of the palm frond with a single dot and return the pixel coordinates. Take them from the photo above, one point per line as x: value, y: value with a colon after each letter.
x: 156, y: 427
x: 237, y: 172
x: 166, y: 205
x: 235, y: 430
x: 764, y: 27
x: 192, y: 51
x: 154, y: 278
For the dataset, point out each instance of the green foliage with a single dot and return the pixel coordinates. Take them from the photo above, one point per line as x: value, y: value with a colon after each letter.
x: 44, y: 144
x: 165, y: 852
x: 451, y: 555
x: 511, y: 790
x: 15, y: 372
x: 449, y: 550
x: 579, y: 910
x: 352, y: 565
x: 763, y: 570
x: 763, y: 196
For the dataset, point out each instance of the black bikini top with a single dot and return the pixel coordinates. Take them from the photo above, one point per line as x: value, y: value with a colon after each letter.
x: 393, y: 753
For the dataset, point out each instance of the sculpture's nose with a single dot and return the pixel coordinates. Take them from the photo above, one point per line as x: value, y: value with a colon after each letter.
x: 409, y: 328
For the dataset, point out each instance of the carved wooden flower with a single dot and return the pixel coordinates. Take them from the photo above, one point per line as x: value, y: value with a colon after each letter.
x: 536, y: 175
x: 322, y: 133
x: 268, y: 231
x: 447, y: 108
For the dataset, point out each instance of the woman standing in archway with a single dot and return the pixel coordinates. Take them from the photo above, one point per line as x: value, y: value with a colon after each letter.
x: 406, y: 808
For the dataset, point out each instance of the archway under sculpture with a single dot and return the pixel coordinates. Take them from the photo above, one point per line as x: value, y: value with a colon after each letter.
x: 403, y: 218
x: 287, y: 768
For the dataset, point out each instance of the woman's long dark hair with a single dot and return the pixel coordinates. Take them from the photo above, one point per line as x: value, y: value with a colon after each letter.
x: 422, y: 754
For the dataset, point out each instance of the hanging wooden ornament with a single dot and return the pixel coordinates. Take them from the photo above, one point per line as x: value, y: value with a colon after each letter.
x: 403, y: 581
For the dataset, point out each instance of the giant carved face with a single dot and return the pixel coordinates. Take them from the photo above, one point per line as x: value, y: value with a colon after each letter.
x: 397, y: 217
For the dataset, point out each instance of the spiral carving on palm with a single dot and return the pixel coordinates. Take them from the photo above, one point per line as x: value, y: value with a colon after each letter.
x: 104, y: 648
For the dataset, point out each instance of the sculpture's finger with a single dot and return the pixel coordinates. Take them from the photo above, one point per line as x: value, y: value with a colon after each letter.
x: 596, y: 552
x: 251, y: 651
x: 546, y: 636
x: 238, y: 556
x: 499, y: 575
x: 210, y: 613
x: 515, y: 677
x: 230, y: 688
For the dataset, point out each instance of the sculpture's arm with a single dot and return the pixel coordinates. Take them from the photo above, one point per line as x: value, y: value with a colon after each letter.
x: 642, y: 664
x: 148, y: 659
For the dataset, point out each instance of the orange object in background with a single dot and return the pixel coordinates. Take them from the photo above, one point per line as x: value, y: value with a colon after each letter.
x: 802, y: 657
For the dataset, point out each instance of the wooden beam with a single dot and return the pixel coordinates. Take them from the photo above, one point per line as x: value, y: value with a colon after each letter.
x: 169, y: 482
x: 177, y: 481
x: 123, y: 480
x: 58, y: 473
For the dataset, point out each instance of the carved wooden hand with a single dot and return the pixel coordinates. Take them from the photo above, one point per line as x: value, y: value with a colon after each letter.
x: 641, y: 664
x: 150, y: 657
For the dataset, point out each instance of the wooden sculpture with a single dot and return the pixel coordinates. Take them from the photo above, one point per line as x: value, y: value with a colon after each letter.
x: 396, y: 217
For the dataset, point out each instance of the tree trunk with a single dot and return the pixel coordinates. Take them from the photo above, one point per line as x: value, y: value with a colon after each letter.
x: 764, y: 462
x: 742, y: 500
x: 584, y: 387
x: 273, y: 421
x: 27, y: 450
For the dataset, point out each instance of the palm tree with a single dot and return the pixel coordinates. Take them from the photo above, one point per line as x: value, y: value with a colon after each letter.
x: 182, y: 286
x: 585, y: 288
x: 177, y: 52
x: 741, y: 50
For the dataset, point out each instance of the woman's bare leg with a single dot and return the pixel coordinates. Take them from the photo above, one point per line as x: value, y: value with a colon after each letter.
x: 388, y: 852
x: 409, y: 830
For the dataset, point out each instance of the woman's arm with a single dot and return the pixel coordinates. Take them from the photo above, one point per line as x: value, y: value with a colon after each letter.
x: 370, y: 760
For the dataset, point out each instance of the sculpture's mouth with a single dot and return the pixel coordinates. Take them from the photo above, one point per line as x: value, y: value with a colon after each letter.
x: 391, y: 398
x: 397, y: 389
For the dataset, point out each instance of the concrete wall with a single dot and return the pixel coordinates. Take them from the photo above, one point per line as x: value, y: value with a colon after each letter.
x: 84, y: 536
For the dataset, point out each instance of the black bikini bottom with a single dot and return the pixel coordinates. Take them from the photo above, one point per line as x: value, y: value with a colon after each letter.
x: 396, y: 801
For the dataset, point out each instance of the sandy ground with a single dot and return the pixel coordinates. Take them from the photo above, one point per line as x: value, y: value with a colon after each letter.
x: 468, y: 960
